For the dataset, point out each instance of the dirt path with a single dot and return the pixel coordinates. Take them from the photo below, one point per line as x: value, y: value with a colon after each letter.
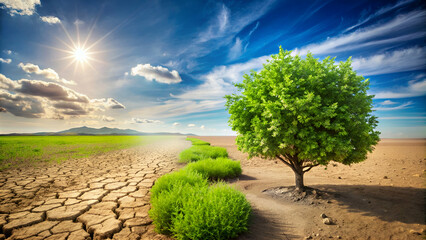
x: 105, y: 196
x: 380, y: 198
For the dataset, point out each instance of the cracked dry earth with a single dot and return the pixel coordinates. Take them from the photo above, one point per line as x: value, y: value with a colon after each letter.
x: 101, y: 197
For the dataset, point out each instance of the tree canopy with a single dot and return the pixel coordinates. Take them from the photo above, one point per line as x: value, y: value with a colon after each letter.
x: 304, y: 111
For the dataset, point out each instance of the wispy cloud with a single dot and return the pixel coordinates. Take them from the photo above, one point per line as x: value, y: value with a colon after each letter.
x: 388, y: 102
x: 7, y: 60
x: 47, y: 73
x: 402, y: 106
x: 191, y: 125
x: 159, y: 73
x: 372, y: 34
x: 391, y: 62
x: 50, y: 19
x: 380, y: 12
x: 176, y: 124
x: 402, y: 118
x: 414, y: 89
x: 20, y: 7
x: 8, y: 52
x: 143, y: 120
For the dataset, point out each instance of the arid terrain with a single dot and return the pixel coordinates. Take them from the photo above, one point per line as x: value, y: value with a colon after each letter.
x: 107, y: 195
x: 104, y: 196
x: 380, y: 198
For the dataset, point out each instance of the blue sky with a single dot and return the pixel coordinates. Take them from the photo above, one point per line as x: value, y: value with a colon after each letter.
x: 166, y: 65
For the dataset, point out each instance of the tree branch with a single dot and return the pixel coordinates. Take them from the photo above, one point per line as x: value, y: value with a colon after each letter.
x: 285, y: 162
x: 309, y: 167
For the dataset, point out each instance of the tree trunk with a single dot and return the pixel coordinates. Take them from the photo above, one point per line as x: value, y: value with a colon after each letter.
x: 299, y: 179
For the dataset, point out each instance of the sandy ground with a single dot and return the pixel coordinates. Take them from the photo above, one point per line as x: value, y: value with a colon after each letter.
x: 380, y: 198
x: 104, y: 196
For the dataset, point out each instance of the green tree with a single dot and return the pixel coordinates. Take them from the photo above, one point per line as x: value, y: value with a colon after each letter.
x: 304, y: 112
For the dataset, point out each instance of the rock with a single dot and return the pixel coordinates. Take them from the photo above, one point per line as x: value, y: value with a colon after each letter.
x: 338, y: 237
x: 323, y: 215
x: 385, y: 177
x: 308, y: 237
x: 327, y: 221
x: 339, y: 177
x: 412, y: 231
x: 28, y: 219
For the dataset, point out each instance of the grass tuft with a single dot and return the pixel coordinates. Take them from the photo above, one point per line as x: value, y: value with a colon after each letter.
x: 214, y: 169
x: 196, y: 141
x: 198, y: 152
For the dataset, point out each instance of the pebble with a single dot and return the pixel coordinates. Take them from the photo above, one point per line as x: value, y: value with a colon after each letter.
x: 327, y: 221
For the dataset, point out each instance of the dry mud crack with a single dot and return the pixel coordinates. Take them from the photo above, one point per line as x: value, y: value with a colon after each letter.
x: 101, y: 197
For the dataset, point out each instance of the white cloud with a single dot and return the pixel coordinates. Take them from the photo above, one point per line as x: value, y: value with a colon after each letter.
x: 50, y: 19
x: 176, y: 124
x: 108, y: 119
x: 202, y: 127
x: 21, y: 7
x: 191, y: 125
x: 8, y: 60
x: 126, y: 74
x: 357, y: 39
x: 414, y: 89
x: 396, y: 61
x: 47, y: 73
x: 159, y: 73
x: 8, y: 52
x: 143, y: 120
x: 388, y: 102
x: 402, y: 106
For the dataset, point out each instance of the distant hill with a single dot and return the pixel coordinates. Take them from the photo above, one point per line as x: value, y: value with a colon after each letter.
x: 95, y: 131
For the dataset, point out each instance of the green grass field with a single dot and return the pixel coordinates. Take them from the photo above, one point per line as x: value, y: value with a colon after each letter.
x: 27, y: 150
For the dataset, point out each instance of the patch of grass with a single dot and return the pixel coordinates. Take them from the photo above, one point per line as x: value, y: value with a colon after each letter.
x: 214, y: 169
x: 168, y: 181
x: 198, y: 152
x: 23, y: 150
x: 217, y: 212
x: 196, y: 141
x: 200, y: 212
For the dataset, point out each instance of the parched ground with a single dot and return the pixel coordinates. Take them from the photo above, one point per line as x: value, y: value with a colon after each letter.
x: 380, y: 198
x: 105, y: 196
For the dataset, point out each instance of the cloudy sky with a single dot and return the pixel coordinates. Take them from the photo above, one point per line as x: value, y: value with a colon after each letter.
x: 166, y: 65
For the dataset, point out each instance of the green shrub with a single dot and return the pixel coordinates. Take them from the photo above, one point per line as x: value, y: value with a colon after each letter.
x: 221, y: 212
x: 199, y: 152
x: 166, y: 205
x: 196, y: 141
x: 168, y: 181
x: 214, y: 169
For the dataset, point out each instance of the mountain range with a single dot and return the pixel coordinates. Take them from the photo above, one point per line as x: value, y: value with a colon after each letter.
x: 95, y: 131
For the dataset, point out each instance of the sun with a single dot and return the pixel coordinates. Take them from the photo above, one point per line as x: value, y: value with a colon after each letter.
x: 80, y: 54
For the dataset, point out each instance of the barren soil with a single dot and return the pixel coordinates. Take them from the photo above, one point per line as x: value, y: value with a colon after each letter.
x: 105, y: 196
x: 380, y: 198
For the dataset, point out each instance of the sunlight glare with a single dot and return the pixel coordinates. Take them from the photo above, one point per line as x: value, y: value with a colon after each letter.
x: 80, y: 54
